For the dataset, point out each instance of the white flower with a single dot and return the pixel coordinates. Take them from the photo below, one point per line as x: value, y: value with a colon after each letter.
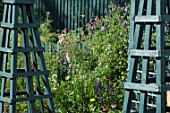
x: 109, y: 47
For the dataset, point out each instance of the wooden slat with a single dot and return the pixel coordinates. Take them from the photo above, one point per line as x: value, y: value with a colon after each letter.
x: 59, y: 14
x: 86, y: 10
x: 65, y: 14
x: 62, y: 13
x: 75, y: 13
x: 151, y: 110
x: 145, y: 62
x: 18, y: 1
x: 152, y: 87
x: 90, y: 9
x: 19, y: 25
x: 72, y: 14
x: 160, y: 38
x: 25, y: 99
x: 134, y: 42
x: 142, y: 87
x: 153, y: 18
x: 13, y: 60
x: 78, y: 13
x: 98, y: 7
x: 20, y: 49
x: 69, y: 15
x: 147, y: 53
x: 21, y: 73
x: 82, y: 13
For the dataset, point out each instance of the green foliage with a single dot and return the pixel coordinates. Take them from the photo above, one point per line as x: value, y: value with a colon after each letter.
x: 45, y: 30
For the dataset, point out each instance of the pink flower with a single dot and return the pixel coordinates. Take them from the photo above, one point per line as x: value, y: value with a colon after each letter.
x: 103, y: 27
x: 87, y: 26
x: 65, y: 30
x: 91, y: 21
x: 68, y: 57
x: 96, y: 19
x: 61, y: 38
x: 92, y: 27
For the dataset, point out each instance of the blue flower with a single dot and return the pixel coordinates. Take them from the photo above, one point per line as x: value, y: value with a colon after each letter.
x: 99, y: 84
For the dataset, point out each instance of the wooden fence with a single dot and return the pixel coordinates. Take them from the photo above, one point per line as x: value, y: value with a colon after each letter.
x: 72, y: 14
x: 50, y: 47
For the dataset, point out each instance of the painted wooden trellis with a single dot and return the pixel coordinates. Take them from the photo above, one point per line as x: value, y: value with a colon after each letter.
x: 149, y: 57
x: 20, y: 40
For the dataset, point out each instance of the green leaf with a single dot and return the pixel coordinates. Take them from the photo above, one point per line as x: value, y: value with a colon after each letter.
x: 67, y: 77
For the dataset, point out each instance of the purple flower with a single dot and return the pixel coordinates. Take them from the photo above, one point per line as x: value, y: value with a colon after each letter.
x: 118, y: 5
x: 99, y: 84
x: 124, y: 25
x: 87, y: 99
x: 83, y: 93
x: 109, y: 79
x: 108, y: 13
x: 121, y: 21
x: 100, y: 98
x: 115, y: 9
x: 95, y: 89
x: 110, y: 86
x: 123, y: 8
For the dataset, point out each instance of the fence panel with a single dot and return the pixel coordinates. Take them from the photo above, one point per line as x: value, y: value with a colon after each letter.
x: 72, y: 14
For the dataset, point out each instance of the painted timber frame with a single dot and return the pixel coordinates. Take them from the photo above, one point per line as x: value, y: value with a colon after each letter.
x: 148, y: 57
x: 20, y: 43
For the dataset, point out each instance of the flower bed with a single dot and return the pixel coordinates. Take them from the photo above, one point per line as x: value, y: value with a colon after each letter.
x: 95, y: 63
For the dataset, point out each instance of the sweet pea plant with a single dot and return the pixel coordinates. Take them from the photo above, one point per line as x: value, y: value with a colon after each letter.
x: 94, y: 63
